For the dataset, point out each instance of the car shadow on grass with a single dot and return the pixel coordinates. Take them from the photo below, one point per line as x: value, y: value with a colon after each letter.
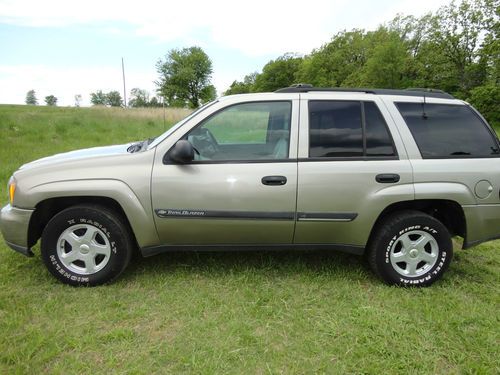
x: 265, y: 263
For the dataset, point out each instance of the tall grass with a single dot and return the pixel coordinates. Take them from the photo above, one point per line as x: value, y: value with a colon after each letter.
x: 32, y: 132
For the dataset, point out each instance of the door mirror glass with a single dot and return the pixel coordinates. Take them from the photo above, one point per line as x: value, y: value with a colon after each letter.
x: 182, y: 152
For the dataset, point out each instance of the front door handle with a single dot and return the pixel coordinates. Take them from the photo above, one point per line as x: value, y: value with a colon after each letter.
x: 274, y: 180
x: 387, y: 178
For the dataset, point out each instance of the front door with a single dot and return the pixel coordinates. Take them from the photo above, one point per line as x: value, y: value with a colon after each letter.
x: 241, y: 187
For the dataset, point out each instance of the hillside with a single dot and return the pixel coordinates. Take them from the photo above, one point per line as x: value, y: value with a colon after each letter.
x: 31, y: 132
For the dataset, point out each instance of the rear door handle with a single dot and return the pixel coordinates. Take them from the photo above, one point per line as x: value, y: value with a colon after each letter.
x: 387, y: 178
x: 274, y: 180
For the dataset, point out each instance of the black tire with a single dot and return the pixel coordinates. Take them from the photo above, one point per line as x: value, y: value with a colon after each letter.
x: 408, y: 265
x: 110, y: 236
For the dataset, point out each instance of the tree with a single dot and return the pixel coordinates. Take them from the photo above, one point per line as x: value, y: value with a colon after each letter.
x: 51, y: 100
x: 386, y: 64
x: 154, y: 102
x: 337, y: 63
x: 278, y: 73
x: 138, y: 98
x: 98, y: 98
x: 31, y: 98
x: 248, y: 85
x: 185, y: 76
x: 78, y: 100
x: 114, y: 99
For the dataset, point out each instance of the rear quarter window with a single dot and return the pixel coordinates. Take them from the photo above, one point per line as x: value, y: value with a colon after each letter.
x: 448, y: 131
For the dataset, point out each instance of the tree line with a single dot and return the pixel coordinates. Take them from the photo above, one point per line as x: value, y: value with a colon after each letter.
x: 138, y: 98
x: 456, y: 49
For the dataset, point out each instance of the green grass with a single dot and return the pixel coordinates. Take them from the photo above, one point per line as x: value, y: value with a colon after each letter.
x: 218, y: 313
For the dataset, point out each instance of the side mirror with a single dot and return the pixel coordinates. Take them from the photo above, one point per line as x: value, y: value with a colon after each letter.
x: 182, y: 152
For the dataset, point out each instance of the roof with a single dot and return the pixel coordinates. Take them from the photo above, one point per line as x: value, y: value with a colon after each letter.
x: 429, y: 93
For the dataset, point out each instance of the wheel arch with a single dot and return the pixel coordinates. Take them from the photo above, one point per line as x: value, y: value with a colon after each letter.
x: 50, y: 207
x: 114, y: 194
x: 448, y: 212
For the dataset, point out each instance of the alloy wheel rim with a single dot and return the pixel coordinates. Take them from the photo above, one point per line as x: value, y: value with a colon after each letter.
x: 83, y: 249
x: 414, y: 253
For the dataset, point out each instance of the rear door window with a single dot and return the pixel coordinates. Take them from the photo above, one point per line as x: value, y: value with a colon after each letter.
x: 348, y: 129
x: 448, y: 131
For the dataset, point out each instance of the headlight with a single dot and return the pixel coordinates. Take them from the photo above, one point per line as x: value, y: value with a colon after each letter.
x: 11, y: 188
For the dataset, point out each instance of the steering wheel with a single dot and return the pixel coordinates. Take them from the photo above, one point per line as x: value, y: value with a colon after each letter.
x: 204, y: 143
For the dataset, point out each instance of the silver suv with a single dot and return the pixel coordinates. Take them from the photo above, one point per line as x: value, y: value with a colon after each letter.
x: 392, y: 174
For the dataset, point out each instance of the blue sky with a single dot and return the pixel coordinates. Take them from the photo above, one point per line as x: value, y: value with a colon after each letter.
x: 66, y: 48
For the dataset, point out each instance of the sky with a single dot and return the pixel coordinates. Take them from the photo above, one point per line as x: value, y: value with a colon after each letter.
x: 65, y: 48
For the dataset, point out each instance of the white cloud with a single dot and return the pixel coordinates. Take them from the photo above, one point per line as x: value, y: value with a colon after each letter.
x: 256, y: 27
x: 65, y: 83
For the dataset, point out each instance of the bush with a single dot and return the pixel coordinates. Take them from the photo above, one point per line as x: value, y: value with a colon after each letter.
x: 485, y: 99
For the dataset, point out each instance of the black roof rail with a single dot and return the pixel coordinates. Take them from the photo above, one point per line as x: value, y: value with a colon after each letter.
x: 430, y: 93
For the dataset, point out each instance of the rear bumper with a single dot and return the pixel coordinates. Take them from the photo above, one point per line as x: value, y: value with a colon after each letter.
x: 483, y: 223
x: 14, y: 223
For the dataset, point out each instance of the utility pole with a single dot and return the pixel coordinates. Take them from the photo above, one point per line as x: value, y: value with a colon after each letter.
x: 124, y: 91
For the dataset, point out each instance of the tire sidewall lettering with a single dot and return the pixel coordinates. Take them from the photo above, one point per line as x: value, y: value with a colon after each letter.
x: 427, y: 277
x: 111, y: 227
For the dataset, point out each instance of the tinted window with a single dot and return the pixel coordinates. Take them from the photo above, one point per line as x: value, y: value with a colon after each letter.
x: 247, y: 131
x: 452, y: 131
x: 378, y: 140
x: 335, y: 129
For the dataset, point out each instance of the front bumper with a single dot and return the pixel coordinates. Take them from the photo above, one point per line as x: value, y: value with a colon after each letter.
x: 14, y: 223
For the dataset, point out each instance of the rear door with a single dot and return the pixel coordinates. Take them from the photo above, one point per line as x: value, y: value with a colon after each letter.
x: 352, y: 165
x: 241, y: 187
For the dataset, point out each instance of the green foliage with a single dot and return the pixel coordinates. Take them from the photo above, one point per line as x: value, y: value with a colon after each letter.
x: 98, y: 98
x: 486, y: 99
x: 185, y: 76
x: 456, y: 49
x: 154, y: 102
x: 386, y: 62
x: 244, y: 87
x: 337, y: 62
x: 138, y: 98
x: 114, y: 99
x: 31, y: 98
x: 51, y: 100
x: 278, y: 73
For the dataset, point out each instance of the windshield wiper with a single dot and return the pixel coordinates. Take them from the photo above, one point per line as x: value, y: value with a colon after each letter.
x: 135, y: 147
x: 140, y: 146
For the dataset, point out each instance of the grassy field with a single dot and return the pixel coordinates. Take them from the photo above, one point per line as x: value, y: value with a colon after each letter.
x: 218, y: 313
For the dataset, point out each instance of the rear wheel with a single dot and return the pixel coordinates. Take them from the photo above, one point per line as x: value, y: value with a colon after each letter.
x: 86, y: 245
x: 410, y: 248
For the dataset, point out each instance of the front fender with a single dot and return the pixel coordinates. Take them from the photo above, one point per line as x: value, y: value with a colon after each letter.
x: 138, y: 211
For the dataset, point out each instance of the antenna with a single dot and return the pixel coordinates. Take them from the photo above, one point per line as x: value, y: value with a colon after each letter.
x: 124, y: 92
x: 424, y: 115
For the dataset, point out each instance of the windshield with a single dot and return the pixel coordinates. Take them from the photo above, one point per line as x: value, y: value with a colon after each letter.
x: 160, y: 138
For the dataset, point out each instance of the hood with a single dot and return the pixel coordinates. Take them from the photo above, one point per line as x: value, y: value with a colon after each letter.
x: 86, y: 153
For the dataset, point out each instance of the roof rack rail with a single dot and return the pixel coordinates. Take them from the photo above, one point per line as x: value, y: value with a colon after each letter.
x: 430, y: 93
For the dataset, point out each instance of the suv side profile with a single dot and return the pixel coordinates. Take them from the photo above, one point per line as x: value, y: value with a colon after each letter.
x: 392, y: 174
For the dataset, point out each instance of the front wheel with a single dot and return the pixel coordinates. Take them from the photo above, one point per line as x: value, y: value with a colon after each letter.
x: 86, y: 245
x: 410, y: 248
